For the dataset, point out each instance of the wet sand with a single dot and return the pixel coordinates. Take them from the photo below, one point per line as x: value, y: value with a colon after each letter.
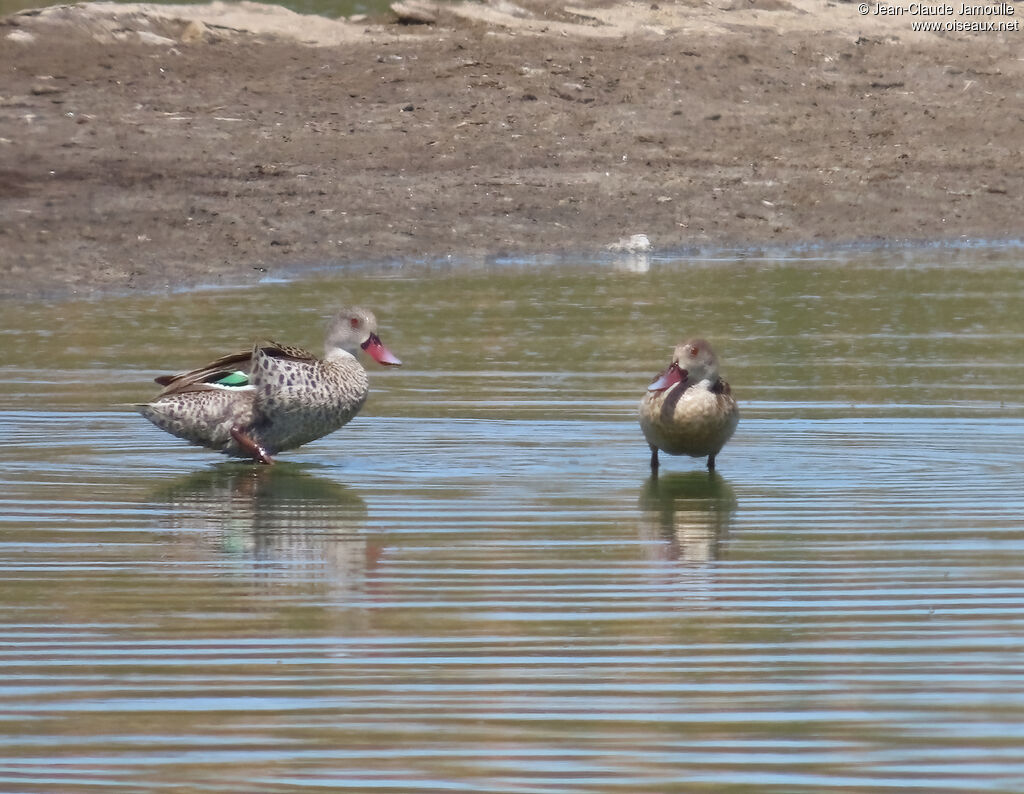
x: 147, y: 147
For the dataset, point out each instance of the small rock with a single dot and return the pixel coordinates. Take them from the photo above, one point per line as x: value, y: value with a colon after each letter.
x: 634, y: 244
x: 152, y: 38
x: 415, y: 12
x: 194, y: 31
x: 21, y: 36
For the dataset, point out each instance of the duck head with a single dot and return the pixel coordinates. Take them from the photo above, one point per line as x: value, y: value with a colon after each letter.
x: 692, y: 361
x: 354, y: 328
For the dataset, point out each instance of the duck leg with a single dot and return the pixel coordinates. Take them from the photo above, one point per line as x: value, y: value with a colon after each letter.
x: 654, y: 460
x: 258, y: 453
x: 711, y: 462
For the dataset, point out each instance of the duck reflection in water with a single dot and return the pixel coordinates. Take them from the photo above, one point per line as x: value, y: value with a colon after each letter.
x: 280, y: 516
x: 688, y: 513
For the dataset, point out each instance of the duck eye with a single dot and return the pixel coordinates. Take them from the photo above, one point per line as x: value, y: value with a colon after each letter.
x: 353, y: 322
x: 694, y: 350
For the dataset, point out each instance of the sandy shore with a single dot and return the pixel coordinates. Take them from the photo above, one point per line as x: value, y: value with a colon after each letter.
x: 146, y: 147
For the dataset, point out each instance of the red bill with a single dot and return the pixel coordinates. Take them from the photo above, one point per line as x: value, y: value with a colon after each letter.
x: 670, y: 377
x: 375, y: 348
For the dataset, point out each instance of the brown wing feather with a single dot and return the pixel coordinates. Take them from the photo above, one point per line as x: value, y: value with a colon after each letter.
x: 278, y: 350
x: 199, y: 379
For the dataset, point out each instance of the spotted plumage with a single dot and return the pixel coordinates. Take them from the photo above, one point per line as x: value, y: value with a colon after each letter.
x: 689, y: 409
x: 254, y: 405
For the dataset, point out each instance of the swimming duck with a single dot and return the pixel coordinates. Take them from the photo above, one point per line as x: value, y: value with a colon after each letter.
x: 256, y: 404
x: 689, y: 409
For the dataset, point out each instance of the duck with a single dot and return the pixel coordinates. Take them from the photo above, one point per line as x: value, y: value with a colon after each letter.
x: 274, y: 398
x: 688, y: 408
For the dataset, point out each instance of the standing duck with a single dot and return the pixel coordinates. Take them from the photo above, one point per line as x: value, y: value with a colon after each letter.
x: 254, y: 405
x: 689, y: 409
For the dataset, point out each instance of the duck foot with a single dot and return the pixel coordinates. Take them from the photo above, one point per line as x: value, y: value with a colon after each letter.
x: 258, y: 453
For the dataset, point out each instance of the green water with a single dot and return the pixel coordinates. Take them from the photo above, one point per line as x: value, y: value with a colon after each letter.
x: 476, y: 585
x: 932, y: 331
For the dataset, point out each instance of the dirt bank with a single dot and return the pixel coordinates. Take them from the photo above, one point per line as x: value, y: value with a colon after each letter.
x: 147, y: 146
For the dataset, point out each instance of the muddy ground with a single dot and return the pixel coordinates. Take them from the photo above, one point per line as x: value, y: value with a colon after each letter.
x: 147, y: 147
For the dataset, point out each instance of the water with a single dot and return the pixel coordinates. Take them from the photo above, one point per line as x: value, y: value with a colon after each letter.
x: 476, y: 587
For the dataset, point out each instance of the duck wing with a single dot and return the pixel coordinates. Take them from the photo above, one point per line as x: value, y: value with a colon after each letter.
x: 206, y: 377
x: 286, y: 352
x: 231, y: 371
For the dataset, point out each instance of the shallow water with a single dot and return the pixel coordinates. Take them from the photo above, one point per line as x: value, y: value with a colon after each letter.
x: 476, y: 587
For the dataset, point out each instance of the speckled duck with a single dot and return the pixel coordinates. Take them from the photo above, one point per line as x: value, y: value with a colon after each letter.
x: 255, y: 405
x: 689, y: 409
